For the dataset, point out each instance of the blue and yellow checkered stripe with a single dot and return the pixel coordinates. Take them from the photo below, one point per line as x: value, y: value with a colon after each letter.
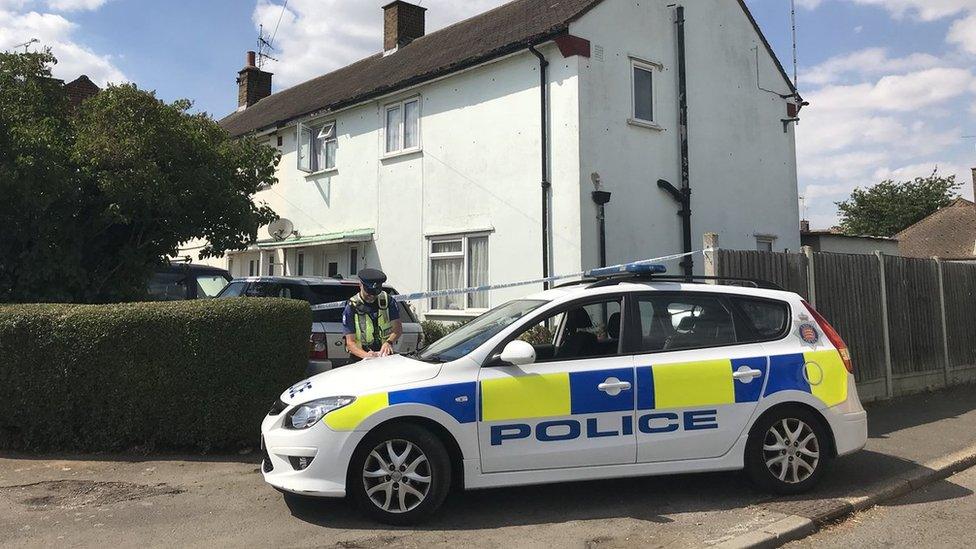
x: 656, y: 387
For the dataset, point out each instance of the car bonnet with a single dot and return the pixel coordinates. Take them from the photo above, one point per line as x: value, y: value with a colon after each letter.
x: 361, y: 378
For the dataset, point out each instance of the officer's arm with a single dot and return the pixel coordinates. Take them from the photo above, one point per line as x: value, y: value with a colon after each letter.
x: 395, y: 332
x: 353, y: 346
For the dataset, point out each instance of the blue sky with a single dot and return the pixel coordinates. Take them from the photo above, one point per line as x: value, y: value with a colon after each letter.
x: 890, y: 81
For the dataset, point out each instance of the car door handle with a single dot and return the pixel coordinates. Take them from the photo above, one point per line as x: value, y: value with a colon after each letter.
x: 746, y: 374
x: 614, y: 386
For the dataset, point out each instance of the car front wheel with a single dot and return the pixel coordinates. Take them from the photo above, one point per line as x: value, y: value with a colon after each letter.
x: 400, y: 474
x: 787, y: 451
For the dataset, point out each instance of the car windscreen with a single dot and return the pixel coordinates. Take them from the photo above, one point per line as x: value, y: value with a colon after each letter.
x: 472, y: 335
x: 210, y: 285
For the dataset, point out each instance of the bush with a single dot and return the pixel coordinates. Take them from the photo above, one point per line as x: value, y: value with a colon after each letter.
x: 192, y: 375
x: 434, y: 330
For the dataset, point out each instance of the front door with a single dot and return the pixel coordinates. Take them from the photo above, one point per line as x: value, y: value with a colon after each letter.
x: 573, y: 407
x: 698, y: 385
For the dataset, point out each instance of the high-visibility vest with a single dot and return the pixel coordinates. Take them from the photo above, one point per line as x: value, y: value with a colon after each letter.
x: 366, y: 333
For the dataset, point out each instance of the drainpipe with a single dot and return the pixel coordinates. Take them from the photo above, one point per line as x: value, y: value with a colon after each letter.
x: 546, y: 183
x: 601, y: 198
x: 682, y: 195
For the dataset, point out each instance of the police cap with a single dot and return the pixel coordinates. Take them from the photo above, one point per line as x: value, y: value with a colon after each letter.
x: 372, y: 280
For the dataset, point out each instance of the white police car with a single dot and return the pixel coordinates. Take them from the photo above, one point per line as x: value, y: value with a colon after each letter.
x: 621, y: 376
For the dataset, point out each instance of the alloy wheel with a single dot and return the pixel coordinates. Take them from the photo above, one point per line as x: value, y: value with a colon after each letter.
x: 791, y: 450
x: 397, y: 476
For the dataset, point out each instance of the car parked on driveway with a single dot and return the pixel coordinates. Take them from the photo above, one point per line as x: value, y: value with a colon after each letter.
x: 638, y: 376
x: 181, y: 281
x: 327, y: 344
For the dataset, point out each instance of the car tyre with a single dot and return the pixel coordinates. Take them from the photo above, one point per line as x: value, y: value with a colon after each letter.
x: 399, y: 474
x: 788, y: 451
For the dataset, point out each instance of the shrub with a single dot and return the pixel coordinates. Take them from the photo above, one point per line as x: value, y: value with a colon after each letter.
x: 192, y: 375
x: 434, y: 330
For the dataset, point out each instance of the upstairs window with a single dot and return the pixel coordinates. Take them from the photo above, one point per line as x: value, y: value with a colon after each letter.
x: 642, y: 84
x: 403, y: 126
x: 317, y: 147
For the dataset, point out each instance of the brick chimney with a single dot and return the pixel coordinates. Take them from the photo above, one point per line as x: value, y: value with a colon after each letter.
x: 253, y: 84
x: 402, y: 24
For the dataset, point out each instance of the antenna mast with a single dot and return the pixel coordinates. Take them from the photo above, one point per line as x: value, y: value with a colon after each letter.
x: 264, y: 47
x: 26, y: 45
x: 796, y: 82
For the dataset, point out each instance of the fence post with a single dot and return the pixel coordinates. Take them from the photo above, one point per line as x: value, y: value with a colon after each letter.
x: 889, y: 377
x: 945, y: 323
x: 811, y: 276
x: 710, y: 242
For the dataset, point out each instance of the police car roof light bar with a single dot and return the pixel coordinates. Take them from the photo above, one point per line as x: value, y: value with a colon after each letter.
x: 633, y: 269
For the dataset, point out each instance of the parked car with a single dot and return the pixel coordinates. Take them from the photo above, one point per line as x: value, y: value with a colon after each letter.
x: 327, y: 344
x: 182, y: 281
x: 640, y: 376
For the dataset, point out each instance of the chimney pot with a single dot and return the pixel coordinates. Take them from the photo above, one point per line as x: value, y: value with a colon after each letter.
x: 253, y: 84
x: 402, y: 23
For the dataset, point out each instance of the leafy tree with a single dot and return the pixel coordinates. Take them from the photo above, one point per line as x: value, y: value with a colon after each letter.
x: 891, y: 207
x: 94, y: 199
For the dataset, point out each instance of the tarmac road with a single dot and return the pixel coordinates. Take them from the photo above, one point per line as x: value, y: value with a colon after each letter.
x: 88, y: 501
x: 942, y: 514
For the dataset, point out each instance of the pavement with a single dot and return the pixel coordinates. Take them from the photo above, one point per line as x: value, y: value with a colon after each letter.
x: 140, y: 501
x: 938, y: 515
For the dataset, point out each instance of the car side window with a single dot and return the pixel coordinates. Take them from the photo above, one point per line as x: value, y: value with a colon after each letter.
x: 766, y: 319
x: 167, y: 287
x: 584, y: 331
x: 682, y: 322
x: 234, y: 289
x: 275, y: 289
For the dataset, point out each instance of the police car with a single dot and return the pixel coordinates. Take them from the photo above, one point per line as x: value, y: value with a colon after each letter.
x: 617, y: 376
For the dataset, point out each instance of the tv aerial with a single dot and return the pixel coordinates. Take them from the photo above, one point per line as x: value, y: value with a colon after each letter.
x: 281, y: 229
x: 26, y: 45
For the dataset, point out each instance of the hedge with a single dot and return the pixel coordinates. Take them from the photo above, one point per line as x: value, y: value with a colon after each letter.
x: 191, y: 375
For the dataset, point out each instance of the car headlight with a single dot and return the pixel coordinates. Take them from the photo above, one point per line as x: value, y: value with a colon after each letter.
x: 310, y: 413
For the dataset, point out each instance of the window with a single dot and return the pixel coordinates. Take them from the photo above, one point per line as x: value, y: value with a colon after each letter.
x: 301, y: 264
x: 317, y: 147
x: 403, y: 126
x: 765, y: 243
x: 230, y: 265
x: 252, y: 268
x: 643, y: 90
x: 475, y: 333
x: 583, y: 331
x: 271, y: 264
x: 459, y: 262
x: 333, y: 269
x: 167, y: 287
x: 679, y: 322
x: 765, y: 320
x: 234, y: 289
x: 353, y: 261
x: 210, y: 285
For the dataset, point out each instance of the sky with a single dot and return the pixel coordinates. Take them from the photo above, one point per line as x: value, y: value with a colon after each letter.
x: 890, y: 82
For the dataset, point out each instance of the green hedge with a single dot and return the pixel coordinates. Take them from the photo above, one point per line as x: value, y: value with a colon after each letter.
x: 192, y: 375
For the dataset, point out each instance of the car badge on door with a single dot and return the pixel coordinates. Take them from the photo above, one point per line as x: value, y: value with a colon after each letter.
x: 809, y: 334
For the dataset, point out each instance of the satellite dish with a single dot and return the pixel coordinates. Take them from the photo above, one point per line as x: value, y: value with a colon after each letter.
x: 281, y: 229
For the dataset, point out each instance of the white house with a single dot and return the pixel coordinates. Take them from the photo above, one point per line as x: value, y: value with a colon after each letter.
x: 470, y: 155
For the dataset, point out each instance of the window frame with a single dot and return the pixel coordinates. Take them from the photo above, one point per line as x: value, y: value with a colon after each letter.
x: 652, y: 68
x: 402, y: 120
x: 463, y: 255
x: 766, y: 239
x: 314, y: 130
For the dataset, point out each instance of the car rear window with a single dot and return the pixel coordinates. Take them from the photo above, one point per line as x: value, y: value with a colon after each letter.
x: 766, y: 319
x: 331, y: 293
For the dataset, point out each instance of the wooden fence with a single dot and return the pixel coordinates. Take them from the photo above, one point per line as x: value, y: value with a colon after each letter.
x: 910, y: 323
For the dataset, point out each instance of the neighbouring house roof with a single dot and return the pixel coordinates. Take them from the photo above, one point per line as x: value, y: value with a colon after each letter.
x: 949, y: 233
x: 79, y: 89
x: 490, y: 35
x: 838, y: 234
x: 357, y: 235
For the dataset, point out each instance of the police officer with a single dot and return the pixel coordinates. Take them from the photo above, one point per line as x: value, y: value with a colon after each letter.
x: 371, y: 319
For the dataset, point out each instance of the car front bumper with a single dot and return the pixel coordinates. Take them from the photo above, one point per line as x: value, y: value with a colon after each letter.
x: 329, y: 451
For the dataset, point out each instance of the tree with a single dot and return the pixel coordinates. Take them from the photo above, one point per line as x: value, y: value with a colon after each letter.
x: 891, y: 207
x: 94, y: 199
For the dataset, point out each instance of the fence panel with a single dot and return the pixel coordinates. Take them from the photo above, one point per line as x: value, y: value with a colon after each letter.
x: 787, y: 270
x: 914, y: 315
x: 960, y: 289
x: 849, y: 296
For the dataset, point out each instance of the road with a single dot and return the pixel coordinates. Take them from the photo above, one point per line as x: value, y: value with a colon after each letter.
x: 938, y: 515
x: 140, y: 501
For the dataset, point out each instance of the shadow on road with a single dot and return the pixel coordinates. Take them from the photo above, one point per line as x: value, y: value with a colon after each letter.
x: 890, y: 416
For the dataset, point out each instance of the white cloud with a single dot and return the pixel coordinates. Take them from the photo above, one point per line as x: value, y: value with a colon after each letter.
x: 75, y: 5
x: 55, y: 31
x: 926, y: 10
x: 319, y: 36
x: 870, y: 61
x: 962, y: 34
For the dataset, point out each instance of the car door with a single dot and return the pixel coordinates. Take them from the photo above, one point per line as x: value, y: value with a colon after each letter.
x: 574, y: 406
x: 697, y: 386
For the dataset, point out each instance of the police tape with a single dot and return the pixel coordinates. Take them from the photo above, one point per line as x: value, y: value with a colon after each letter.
x: 603, y: 271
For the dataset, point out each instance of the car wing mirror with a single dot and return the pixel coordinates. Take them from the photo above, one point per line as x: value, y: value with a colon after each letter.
x: 517, y: 353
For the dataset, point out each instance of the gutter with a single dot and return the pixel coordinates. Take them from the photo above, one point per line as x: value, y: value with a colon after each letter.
x: 544, y: 153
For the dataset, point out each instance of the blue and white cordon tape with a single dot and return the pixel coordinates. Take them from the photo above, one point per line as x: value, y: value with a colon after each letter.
x: 601, y: 272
